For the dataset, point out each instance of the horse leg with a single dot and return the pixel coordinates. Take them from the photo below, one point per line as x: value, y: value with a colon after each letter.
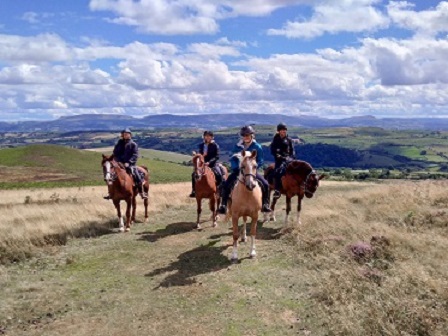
x: 120, y: 219
x: 272, y: 214
x: 244, y: 230
x: 288, y: 209
x: 198, y: 210
x: 235, y: 238
x: 213, y: 209
x: 299, y: 208
x: 146, y: 201
x: 134, y: 207
x: 253, y: 233
x: 128, y: 214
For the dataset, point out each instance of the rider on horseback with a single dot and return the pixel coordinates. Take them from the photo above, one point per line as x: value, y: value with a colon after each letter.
x: 282, y: 150
x: 210, y: 149
x: 247, y: 143
x: 126, y: 152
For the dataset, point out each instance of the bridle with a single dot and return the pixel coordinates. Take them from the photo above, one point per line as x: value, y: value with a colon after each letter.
x: 199, y: 172
x: 109, y: 175
x: 305, y: 183
x: 243, y: 175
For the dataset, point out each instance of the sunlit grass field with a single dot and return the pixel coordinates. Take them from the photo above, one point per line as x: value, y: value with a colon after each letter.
x: 367, y: 259
x: 54, y: 166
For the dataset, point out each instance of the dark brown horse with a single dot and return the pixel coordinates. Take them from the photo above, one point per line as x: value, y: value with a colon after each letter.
x: 121, y: 188
x: 205, y: 186
x: 299, y: 180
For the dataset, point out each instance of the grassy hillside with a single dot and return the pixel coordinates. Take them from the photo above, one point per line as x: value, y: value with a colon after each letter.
x: 152, y: 154
x: 52, y: 166
x: 368, y: 259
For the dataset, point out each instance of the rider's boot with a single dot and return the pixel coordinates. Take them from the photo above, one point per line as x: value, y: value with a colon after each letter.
x: 142, y: 191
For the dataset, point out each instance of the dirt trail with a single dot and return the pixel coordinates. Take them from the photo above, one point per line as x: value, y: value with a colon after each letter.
x: 163, y: 278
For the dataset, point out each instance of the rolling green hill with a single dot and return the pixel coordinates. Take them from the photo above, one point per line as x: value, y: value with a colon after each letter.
x: 52, y: 165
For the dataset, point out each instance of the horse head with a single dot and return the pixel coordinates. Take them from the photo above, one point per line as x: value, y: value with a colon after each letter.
x: 199, y: 166
x: 306, y: 176
x: 248, y: 168
x: 108, y: 168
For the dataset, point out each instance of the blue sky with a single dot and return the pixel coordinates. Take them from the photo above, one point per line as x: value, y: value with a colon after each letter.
x: 328, y: 58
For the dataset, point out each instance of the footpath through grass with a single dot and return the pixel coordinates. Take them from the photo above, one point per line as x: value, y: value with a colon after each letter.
x: 163, y: 278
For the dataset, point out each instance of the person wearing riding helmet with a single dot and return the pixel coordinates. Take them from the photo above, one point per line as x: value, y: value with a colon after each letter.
x: 282, y: 149
x: 126, y: 152
x: 210, y: 149
x: 247, y: 143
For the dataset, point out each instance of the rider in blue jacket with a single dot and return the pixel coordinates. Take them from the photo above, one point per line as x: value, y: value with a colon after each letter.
x: 247, y: 143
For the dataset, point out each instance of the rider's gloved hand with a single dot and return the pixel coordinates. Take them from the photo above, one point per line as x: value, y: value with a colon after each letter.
x: 126, y: 164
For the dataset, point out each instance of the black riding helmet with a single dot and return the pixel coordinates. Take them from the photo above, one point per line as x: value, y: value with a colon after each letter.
x: 281, y: 127
x: 126, y: 130
x: 246, y: 130
x: 208, y: 133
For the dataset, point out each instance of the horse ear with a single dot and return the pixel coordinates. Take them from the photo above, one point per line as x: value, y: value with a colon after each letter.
x: 254, y: 154
x: 243, y: 153
x: 322, y: 176
x: 194, y: 153
x: 104, y: 156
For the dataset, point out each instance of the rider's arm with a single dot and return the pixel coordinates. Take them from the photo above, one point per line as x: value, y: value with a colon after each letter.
x: 215, y: 155
x: 292, y: 152
x: 134, y: 157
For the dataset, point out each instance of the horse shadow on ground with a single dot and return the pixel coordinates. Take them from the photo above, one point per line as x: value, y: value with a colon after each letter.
x: 200, y: 260
x: 263, y: 232
x: 170, y: 230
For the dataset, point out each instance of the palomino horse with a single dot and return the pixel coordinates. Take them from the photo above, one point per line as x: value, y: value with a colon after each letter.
x: 205, y: 187
x: 245, y: 201
x: 121, y: 187
x: 299, y: 180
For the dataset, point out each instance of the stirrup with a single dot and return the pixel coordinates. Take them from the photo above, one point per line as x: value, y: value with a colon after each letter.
x: 144, y: 195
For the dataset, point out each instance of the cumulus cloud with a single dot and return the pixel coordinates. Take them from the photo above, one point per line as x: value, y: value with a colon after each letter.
x: 34, y: 49
x: 334, y: 17
x: 431, y: 21
x: 182, y: 16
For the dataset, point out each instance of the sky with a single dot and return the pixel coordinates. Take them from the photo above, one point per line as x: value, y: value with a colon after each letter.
x: 326, y: 58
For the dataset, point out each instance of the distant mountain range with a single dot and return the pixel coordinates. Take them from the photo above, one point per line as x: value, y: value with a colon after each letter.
x: 90, y: 122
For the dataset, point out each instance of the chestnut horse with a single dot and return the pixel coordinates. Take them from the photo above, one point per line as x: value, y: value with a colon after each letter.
x: 300, y: 180
x: 245, y: 201
x: 205, y: 186
x: 121, y: 188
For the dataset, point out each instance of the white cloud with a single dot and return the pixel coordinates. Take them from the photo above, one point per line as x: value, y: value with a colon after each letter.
x: 431, y: 21
x: 185, y: 16
x: 334, y: 17
x: 34, y: 49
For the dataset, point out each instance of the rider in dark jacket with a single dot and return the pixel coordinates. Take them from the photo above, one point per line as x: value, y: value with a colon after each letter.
x: 210, y: 149
x: 126, y: 152
x: 282, y: 149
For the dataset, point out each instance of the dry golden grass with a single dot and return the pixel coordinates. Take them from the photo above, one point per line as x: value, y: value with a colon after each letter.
x: 45, y: 217
x: 402, y: 288
x: 308, y: 282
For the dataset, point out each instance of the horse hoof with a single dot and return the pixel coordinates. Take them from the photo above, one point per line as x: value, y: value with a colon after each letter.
x: 121, y: 229
x: 215, y: 224
x: 273, y: 219
x: 146, y: 219
x: 253, y: 255
x: 127, y: 229
x: 198, y: 227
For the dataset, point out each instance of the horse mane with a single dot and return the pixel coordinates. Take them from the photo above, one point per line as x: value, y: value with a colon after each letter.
x: 298, y: 167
